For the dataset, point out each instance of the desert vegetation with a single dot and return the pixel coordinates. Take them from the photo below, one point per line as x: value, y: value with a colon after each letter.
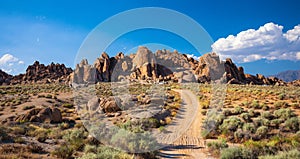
x: 261, y: 121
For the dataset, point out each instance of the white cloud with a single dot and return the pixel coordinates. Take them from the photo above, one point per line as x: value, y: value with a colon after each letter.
x: 268, y: 42
x: 7, y: 58
x: 21, y: 62
x: 10, y: 64
x: 193, y: 56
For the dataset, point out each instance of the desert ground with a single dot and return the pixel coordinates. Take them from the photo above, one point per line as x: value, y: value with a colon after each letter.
x: 251, y: 122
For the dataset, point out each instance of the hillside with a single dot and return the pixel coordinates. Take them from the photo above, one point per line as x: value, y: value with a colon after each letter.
x: 289, y: 75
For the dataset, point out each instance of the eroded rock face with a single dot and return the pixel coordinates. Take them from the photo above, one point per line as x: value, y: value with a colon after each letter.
x: 52, y: 115
x: 4, y: 78
x: 39, y: 73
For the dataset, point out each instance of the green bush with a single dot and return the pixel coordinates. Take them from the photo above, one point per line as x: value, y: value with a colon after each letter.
x: 284, y: 113
x: 64, y: 151
x: 249, y: 128
x: 236, y: 153
x: 237, y: 110
x: 104, y: 152
x: 255, y: 104
x: 262, y: 131
x: 217, y: 145
x: 246, y: 117
x: 292, y: 154
x: 276, y: 122
x: 292, y: 124
x: 68, y: 105
x: 267, y: 115
x: 75, y: 138
x: 230, y: 124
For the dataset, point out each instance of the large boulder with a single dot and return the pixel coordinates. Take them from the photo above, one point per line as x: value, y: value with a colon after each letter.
x: 52, y: 115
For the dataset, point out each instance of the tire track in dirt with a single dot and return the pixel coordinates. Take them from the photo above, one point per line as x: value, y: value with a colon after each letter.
x: 190, y: 144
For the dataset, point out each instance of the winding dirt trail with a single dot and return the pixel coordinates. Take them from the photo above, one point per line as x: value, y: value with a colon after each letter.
x: 190, y: 144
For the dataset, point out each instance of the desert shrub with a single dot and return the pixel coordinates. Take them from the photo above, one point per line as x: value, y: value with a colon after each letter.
x: 41, y: 96
x: 281, y: 96
x: 295, y: 105
x: 237, y: 110
x: 280, y: 104
x: 226, y: 112
x: 64, y: 151
x: 64, y: 126
x: 18, y: 130
x: 48, y: 96
x: 68, y: 105
x: 41, y: 134
x: 292, y: 154
x: 133, y: 141
x: 230, y: 125
x: 292, y: 124
x: 284, y: 113
x: 75, y: 138
x: 205, y: 104
x: 90, y: 148
x: 55, y: 133
x: 34, y: 148
x: 253, y: 113
x: 246, y: 117
x: 262, y: 131
x: 249, y: 128
x: 267, y: 115
x: 276, y: 122
x: 236, y: 153
x: 19, y: 140
x: 216, y: 146
x: 255, y: 104
x: 265, y: 107
x: 238, y: 135
x: 28, y: 107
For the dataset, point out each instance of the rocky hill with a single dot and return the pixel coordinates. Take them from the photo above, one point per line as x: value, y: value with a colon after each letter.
x: 38, y: 73
x: 4, y: 77
x: 288, y: 76
x: 164, y: 65
x: 144, y: 65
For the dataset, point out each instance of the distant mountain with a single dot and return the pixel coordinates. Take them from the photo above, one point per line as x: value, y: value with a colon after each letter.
x: 289, y: 75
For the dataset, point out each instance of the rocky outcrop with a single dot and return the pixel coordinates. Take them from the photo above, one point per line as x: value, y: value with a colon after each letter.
x: 39, y: 73
x: 164, y: 65
x: 52, y: 115
x: 4, y: 78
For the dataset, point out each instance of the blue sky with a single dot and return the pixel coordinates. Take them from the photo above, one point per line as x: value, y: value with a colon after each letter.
x: 54, y: 30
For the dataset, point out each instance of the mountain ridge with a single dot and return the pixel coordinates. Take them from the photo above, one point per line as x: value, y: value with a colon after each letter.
x: 162, y: 65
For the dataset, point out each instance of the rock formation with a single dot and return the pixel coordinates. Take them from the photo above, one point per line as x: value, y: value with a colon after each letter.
x: 4, y: 77
x: 52, y: 115
x: 163, y: 65
x: 39, y: 73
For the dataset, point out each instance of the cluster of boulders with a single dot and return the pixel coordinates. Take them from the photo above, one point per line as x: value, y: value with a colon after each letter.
x: 163, y: 65
x: 39, y: 73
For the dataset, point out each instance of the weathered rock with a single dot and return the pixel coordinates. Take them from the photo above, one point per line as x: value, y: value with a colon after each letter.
x: 4, y: 77
x: 39, y: 73
x: 52, y: 115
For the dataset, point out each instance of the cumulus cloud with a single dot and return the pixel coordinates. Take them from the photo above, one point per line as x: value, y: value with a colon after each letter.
x: 268, y: 42
x: 193, y: 56
x: 9, y: 63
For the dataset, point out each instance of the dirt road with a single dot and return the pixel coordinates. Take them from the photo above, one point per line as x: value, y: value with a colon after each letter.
x: 190, y: 144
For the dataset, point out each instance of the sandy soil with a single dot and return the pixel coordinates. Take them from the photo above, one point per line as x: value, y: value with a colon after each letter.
x: 190, y: 144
